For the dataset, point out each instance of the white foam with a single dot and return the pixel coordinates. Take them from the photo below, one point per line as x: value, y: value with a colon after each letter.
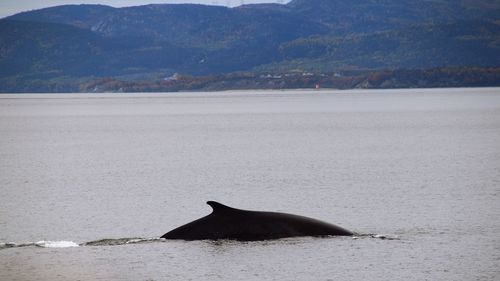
x: 386, y: 236
x: 56, y: 244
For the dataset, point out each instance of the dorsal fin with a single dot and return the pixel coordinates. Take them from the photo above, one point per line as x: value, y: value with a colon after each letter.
x: 218, y: 207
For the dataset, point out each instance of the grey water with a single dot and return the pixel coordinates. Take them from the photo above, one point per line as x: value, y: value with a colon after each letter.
x: 89, y: 181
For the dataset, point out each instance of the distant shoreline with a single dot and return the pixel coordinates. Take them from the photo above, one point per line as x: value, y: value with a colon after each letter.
x: 464, y: 77
x: 224, y: 93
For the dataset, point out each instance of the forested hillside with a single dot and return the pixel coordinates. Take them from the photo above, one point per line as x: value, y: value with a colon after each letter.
x: 64, y: 47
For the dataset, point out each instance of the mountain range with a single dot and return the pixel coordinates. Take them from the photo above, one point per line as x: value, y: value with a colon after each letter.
x: 61, y: 47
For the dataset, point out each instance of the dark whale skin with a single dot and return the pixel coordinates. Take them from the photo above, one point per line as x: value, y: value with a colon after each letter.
x: 234, y: 224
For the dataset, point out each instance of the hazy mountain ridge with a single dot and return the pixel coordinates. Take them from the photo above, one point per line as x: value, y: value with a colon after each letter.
x: 82, y: 42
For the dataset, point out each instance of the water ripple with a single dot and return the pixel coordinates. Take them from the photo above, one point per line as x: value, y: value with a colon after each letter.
x: 135, y: 240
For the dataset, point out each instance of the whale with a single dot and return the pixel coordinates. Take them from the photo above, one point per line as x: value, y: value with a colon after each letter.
x: 227, y: 223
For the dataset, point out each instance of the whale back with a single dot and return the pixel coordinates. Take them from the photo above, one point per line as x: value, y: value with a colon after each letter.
x: 230, y: 223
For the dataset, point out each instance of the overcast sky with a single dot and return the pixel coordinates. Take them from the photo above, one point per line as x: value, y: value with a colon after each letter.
x: 10, y: 7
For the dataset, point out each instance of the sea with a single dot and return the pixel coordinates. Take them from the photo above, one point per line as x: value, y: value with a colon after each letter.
x: 89, y: 182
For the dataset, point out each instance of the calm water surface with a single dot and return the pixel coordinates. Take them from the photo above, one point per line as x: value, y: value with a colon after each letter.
x: 419, y: 166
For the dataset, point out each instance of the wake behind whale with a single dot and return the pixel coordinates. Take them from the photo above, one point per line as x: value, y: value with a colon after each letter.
x: 71, y: 244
